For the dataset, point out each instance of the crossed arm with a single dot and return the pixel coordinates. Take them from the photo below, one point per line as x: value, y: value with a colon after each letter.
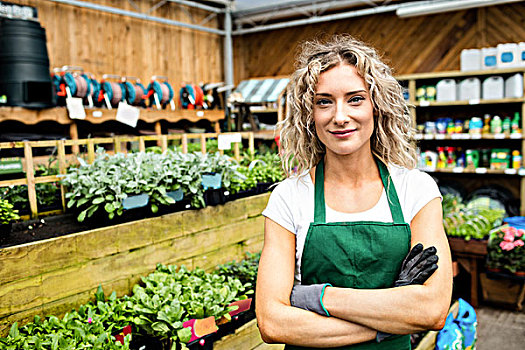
x: 357, y: 313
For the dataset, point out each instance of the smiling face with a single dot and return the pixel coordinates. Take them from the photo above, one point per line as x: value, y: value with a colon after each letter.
x: 343, y: 112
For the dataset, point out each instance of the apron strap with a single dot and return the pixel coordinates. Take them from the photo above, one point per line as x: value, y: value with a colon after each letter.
x: 388, y: 184
x: 319, y: 204
x: 393, y: 199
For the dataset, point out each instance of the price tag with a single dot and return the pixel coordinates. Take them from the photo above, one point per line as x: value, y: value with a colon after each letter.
x: 457, y: 169
x: 97, y: 114
x: 475, y: 136
x: 428, y: 137
x: 224, y: 141
x: 418, y: 136
x: 481, y: 170
x: 455, y: 136
x: 424, y: 103
x: 511, y: 171
x: 236, y: 137
x: 516, y: 135
x: 499, y: 136
x: 474, y: 101
x: 127, y: 114
x: 200, y: 114
x: 75, y: 108
x: 521, y: 172
x: 464, y: 136
x: 440, y: 136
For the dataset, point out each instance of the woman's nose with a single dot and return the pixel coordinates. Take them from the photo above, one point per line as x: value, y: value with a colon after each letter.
x: 341, y: 115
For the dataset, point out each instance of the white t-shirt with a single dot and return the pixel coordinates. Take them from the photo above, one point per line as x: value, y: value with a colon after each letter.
x: 291, y: 204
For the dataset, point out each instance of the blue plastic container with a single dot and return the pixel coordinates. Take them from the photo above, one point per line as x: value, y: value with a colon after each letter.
x: 516, y: 221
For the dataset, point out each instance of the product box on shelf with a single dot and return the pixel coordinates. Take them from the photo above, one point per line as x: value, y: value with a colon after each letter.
x: 514, y: 86
x: 469, y: 89
x: 493, y: 88
x: 446, y: 90
x: 507, y: 55
x: 470, y: 59
x: 489, y: 58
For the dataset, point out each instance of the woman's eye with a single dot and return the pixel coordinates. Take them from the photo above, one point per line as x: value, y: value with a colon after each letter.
x: 356, y: 99
x: 322, y: 102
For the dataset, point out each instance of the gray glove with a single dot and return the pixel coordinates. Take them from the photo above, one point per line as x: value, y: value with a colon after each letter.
x: 309, y: 298
x: 416, y: 268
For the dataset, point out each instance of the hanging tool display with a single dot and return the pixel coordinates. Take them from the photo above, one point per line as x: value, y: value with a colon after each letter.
x: 214, y: 95
x: 160, y: 93
x: 112, y: 92
x: 191, y: 96
x: 135, y: 93
x: 93, y: 91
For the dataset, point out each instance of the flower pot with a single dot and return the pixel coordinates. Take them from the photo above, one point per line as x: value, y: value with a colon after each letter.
x: 5, y: 231
x: 263, y: 187
x: 214, y: 197
x: 176, y: 195
x: 137, y: 201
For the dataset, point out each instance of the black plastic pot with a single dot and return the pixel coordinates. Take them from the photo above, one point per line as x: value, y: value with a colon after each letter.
x: 243, y: 194
x: 139, y: 342
x: 5, y: 231
x: 264, y: 187
x: 214, y: 197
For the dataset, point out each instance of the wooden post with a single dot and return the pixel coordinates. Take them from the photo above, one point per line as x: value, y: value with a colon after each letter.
x: 164, y: 143
x: 217, y: 127
x: 236, y: 152
x: 158, y: 131
x: 91, y: 151
x: 251, y: 143
x: 184, y: 143
x: 142, y: 145
x: 203, y: 144
x: 61, y: 153
x: 30, y: 176
x: 412, y: 100
x: 73, y: 133
x: 117, y: 144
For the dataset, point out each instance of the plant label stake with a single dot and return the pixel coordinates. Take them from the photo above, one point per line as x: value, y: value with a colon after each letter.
x: 200, y: 328
x: 127, y: 114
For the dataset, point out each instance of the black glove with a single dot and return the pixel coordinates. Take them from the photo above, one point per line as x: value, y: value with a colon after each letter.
x: 417, y: 267
x: 309, y: 297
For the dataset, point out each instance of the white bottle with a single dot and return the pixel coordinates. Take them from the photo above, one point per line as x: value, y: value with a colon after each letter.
x: 521, y: 54
x: 514, y: 86
x: 492, y: 88
x: 469, y: 89
x: 507, y: 55
x: 489, y: 58
x: 470, y: 59
x: 446, y: 90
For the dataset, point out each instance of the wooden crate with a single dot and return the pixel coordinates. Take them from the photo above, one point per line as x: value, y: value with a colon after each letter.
x: 503, y: 291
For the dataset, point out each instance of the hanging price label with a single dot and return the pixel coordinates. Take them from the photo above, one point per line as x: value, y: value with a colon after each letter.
x: 440, y: 136
x: 511, y: 171
x: 481, y: 170
x: 424, y: 103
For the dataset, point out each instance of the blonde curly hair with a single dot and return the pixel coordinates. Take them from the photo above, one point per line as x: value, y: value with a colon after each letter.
x: 393, y: 133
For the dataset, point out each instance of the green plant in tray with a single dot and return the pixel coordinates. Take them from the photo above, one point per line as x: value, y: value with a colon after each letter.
x: 7, y: 212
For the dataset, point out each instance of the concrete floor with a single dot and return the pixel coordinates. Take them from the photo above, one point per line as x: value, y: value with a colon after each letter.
x: 500, y: 329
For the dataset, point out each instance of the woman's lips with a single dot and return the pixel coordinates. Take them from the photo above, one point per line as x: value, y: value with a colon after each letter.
x: 343, y: 133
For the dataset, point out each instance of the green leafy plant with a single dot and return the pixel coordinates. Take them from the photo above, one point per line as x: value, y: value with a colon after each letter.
x: 472, y: 223
x: 7, y: 212
x: 245, y: 270
x: 505, y: 249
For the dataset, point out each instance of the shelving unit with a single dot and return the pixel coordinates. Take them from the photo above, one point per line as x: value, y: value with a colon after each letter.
x: 457, y: 110
x: 98, y: 116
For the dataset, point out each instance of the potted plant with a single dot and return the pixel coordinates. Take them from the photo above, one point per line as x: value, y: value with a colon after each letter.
x: 7, y: 215
x: 505, y: 251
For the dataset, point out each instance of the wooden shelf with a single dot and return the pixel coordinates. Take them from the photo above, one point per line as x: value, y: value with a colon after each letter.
x: 60, y: 115
x: 465, y: 136
x: 455, y: 74
x: 265, y: 134
x: 458, y: 170
x: 467, y: 102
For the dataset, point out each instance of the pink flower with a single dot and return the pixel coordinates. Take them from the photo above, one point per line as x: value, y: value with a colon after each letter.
x: 506, y: 229
x: 520, y: 232
x: 506, y: 245
x: 509, y: 237
x: 90, y: 320
x: 518, y: 243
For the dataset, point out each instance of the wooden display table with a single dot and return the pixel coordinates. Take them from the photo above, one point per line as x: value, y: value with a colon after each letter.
x: 469, y: 254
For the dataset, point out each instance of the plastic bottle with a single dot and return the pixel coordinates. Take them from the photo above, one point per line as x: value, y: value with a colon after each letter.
x: 495, y: 125
x: 516, y: 159
x: 506, y: 125
x: 486, y: 124
x: 515, y: 124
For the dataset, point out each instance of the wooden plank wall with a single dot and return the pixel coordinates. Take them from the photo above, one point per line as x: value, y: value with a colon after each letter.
x: 411, y: 45
x: 104, y: 43
x: 53, y: 276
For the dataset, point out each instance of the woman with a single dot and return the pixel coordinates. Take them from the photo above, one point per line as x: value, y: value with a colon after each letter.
x: 331, y: 274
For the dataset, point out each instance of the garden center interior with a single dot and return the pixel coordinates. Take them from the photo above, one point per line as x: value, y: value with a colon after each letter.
x: 139, y: 145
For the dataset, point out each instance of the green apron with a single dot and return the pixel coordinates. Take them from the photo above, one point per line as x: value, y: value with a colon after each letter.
x: 361, y: 254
